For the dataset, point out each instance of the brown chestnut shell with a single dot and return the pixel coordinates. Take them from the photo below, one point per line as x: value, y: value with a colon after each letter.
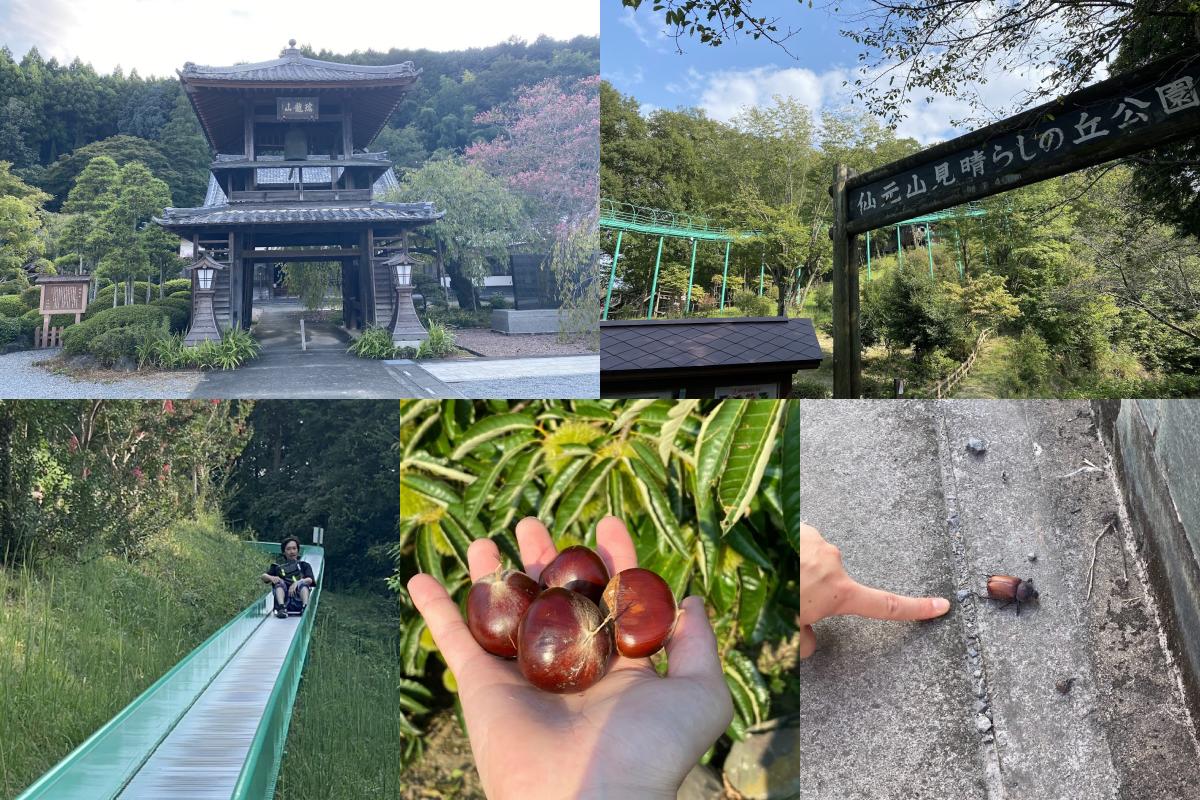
x: 642, y: 609
x: 579, y: 569
x: 563, y: 644
x: 495, y: 605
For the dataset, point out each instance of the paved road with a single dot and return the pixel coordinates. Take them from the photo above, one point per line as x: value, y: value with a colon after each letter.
x: 966, y: 706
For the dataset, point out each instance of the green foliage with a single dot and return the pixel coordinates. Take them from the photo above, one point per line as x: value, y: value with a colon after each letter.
x: 165, y: 349
x: 122, y: 150
x: 77, y: 339
x: 331, y: 463
x: 483, y: 218
x: 1032, y: 361
x: 116, y: 345
x: 498, y: 301
x: 93, y: 633
x: 12, y: 305
x: 375, y: 342
x: 753, y: 305
x: 11, y: 330
x: 457, y: 317
x: 176, y: 285
x: 310, y: 281
x: 102, y: 476
x: 439, y: 344
x: 340, y: 746
x: 700, y: 484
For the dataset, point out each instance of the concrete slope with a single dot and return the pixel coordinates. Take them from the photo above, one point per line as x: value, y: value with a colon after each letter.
x: 973, y: 705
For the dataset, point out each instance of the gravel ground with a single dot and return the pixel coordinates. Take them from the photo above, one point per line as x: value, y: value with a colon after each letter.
x: 490, y: 343
x: 21, y: 378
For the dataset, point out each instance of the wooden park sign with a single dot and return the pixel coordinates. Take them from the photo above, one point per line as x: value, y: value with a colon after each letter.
x: 1126, y: 114
x: 61, y: 294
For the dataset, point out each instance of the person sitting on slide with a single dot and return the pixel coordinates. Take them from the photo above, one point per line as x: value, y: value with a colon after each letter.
x: 292, y: 578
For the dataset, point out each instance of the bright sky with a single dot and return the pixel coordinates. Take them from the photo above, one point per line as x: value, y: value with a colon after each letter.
x: 158, y: 36
x: 641, y: 60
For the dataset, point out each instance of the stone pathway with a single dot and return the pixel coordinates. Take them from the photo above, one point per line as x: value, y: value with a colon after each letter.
x: 971, y: 706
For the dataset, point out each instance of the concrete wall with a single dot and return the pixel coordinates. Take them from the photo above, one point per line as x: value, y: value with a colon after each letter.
x: 1156, y: 449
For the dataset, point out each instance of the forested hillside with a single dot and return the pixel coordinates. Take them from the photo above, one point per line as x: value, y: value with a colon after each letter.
x: 55, y: 118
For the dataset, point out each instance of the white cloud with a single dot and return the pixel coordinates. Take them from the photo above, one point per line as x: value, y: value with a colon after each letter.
x: 725, y: 93
x: 157, y: 37
x: 643, y: 31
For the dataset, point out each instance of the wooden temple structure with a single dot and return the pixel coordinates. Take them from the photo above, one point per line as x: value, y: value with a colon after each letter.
x: 292, y: 179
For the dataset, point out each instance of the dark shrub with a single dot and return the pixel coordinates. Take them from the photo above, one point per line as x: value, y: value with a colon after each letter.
x: 10, y: 330
x: 12, y: 305
x: 77, y: 337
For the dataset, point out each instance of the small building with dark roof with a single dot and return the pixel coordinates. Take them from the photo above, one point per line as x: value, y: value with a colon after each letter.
x: 699, y: 358
x: 292, y: 181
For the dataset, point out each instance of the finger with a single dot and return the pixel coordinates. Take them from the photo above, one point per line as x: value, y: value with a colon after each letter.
x: 808, y: 641
x: 615, y: 545
x: 537, y: 548
x: 483, y: 557
x: 455, y: 642
x: 692, y: 648
x: 865, y: 601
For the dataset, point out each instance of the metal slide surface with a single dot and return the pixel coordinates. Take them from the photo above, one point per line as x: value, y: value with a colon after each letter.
x: 203, y: 756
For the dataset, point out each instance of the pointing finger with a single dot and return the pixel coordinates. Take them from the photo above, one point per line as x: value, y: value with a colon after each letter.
x: 865, y: 601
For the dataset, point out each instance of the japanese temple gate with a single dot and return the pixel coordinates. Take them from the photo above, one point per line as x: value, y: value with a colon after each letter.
x: 1153, y: 105
x: 292, y: 179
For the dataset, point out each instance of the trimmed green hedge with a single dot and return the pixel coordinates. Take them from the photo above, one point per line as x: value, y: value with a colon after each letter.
x: 12, y: 305
x: 33, y: 319
x: 32, y: 297
x: 177, y: 285
x: 10, y: 330
x: 77, y: 338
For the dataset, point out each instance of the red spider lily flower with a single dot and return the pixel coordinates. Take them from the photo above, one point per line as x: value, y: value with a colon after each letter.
x: 169, y: 406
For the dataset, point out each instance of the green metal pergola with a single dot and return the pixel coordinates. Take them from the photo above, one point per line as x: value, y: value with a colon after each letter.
x: 969, y: 210
x: 623, y: 217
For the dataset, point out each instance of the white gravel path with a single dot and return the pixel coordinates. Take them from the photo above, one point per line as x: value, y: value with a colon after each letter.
x: 21, y: 378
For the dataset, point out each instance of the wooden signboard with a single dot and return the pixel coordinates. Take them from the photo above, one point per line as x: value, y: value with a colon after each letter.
x: 287, y: 108
x: 1122, y: 115
x: 1126, y: 114
x: 64, y: 297
x: 61, y: 294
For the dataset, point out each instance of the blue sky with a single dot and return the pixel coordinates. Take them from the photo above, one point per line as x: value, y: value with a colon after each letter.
x: 640, y: 59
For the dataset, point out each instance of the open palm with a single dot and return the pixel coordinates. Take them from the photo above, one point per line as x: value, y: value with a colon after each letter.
x: 631, y: 735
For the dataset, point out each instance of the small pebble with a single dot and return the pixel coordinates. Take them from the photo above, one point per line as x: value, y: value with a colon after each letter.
x: 982, y: 723
x: 977, y: 446
x: 978, y: 673
x: 962, y: 594
x: 1032, y: 556
x: 980, y: 706
x: 972, y: 652
x: 988, y: 739
x: 980, y: 691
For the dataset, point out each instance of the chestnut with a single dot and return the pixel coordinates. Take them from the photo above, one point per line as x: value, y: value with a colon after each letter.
x: 642, y: 610
x: 563, y: 644
x: 1011, y: 589
x: 579, y: 569
x: 495, y: 606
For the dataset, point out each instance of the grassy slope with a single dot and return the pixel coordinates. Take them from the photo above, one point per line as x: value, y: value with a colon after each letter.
x: 344, y: 737
x: 78, y: 641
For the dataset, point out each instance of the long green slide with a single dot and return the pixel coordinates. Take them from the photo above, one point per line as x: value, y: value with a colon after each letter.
x: 212, y: 728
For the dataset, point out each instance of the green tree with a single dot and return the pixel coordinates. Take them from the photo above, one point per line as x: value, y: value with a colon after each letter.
x: 130, y: 243
x: 61, y: 175
x: 93, y: 192
x: 184, y: 146
x: 310, y: 281
x: 483, y: 219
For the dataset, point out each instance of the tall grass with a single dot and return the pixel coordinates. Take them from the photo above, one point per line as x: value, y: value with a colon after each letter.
x: 80, y: 640
x: 344, y: 739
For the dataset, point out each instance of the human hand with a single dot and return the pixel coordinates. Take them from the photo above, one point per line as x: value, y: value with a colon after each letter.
x: 293, y: 589
x: 826, y: 590
x: 631, y: 735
